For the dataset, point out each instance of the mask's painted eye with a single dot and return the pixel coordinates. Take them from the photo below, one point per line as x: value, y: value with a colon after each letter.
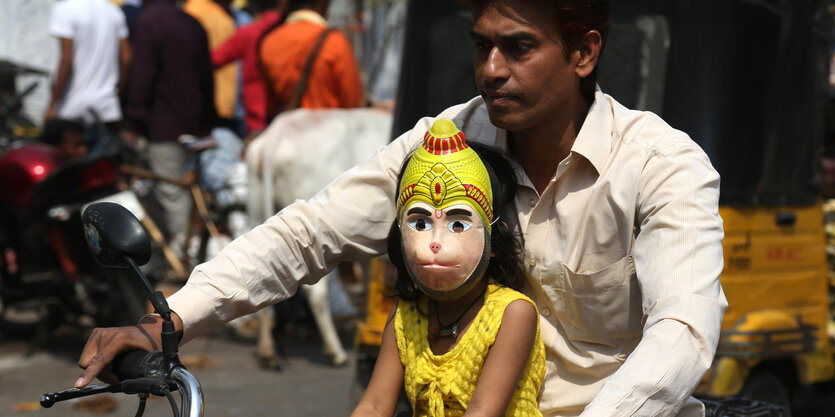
x: 421, y: 225
x: 458, y: 226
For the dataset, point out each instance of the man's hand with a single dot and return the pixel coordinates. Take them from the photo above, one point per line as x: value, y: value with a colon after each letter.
x: 51, y: 112
x: 105, y: 344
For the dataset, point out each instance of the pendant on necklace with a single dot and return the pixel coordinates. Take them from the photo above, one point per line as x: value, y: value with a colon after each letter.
x: 449, y: 331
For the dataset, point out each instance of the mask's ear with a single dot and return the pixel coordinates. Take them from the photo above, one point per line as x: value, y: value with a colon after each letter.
x: 587, y: 53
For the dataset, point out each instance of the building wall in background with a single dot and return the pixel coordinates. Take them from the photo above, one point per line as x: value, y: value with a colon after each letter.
x: 25, y: 40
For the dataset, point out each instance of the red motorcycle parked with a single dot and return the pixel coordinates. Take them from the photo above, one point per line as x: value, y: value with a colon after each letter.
x: 47, y: 275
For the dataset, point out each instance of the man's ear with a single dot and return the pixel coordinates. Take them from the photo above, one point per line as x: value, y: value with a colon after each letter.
x: 587, y: 53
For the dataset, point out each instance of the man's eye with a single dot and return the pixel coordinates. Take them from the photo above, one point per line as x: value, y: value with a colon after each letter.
x: 458, y: 226
x: 420, y: 225
x: 520, y: 47
x: 481, y: 45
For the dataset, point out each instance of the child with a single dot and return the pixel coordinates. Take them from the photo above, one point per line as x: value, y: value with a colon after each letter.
x: 462, y: 339
x: 66, y: 135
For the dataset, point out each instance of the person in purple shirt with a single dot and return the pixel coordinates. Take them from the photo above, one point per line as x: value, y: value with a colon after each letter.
x: 170, y: 93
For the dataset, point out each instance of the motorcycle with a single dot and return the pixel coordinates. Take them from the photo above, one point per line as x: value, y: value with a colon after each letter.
x: 47, y: 277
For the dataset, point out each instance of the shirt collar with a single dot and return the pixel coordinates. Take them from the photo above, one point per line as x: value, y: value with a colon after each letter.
x: 589, y: 143
x: 306, y: 16
x: 593, y: 141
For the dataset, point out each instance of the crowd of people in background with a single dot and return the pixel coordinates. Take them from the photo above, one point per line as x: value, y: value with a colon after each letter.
x: 151, y: 71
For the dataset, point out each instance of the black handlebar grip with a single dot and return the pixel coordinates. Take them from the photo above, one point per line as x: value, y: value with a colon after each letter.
x: 132, y: 364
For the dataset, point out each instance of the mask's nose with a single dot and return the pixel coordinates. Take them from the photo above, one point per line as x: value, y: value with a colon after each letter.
x: 435, y: 247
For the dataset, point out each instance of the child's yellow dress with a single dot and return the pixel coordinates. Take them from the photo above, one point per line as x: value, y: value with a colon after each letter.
x: 442, y: 385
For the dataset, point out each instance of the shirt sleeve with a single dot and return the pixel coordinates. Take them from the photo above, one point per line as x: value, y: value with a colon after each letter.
x: 678, y: 259
x: 231, y: 50
x: 122, y: 25
x: 348, y: 220
x: 61, y: 24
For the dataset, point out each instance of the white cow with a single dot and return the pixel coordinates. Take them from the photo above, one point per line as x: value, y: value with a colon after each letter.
x: 299, y: 153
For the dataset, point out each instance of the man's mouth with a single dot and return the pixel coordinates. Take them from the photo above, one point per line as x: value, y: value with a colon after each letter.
x: 496, y: 97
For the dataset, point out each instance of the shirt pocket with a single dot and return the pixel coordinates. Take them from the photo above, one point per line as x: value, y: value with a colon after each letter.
x: 601, y: 307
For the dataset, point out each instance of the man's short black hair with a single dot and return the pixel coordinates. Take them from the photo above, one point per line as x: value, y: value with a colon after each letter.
x: 573, y: 20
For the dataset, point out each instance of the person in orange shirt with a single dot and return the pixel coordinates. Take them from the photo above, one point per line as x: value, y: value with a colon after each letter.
x: 219, y: 26
x: 334, y: 80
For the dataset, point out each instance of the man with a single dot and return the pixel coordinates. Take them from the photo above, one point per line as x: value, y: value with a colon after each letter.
x: 171, y: 93
x: 333, y: 81
x: 95, y: 55
x: 618, y: 211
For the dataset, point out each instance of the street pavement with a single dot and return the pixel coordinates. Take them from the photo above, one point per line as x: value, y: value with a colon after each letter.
x: 233, y: 384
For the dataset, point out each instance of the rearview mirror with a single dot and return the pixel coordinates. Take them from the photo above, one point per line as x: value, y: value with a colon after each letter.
x: 113, y: 233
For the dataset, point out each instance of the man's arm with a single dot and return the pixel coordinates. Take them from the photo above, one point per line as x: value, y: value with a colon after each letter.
x: 62, y: 77
x: 678, y: 259
x: 349, y: 219
x: 125, y: 53
x: 230, y: 50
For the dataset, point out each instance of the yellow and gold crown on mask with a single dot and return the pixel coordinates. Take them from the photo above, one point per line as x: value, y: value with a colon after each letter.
x: 444, y: 171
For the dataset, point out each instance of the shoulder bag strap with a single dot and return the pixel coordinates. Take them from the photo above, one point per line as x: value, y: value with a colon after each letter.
x: 296, y: 98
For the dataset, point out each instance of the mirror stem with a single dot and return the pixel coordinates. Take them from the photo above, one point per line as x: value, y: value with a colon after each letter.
x: 141, y: 276
x: 169, y: 333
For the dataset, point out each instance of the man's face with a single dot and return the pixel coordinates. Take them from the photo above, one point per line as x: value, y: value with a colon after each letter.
x: 442, y: 247
x: 521, y: 70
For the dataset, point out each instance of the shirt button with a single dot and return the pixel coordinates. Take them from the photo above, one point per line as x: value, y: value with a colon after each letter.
x: 546, y: 312
x: 532, y: 262
x: 532, y: 202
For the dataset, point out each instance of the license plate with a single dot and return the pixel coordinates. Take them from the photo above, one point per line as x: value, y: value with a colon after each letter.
x: 126, y: 199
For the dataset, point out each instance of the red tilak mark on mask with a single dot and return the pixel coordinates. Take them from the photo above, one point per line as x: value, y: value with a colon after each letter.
x: 439, y: 214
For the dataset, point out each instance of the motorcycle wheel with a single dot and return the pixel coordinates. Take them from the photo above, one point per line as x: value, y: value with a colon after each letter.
x: 766, y: 385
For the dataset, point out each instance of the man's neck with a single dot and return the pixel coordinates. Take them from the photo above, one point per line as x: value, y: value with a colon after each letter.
x: 540, y: 149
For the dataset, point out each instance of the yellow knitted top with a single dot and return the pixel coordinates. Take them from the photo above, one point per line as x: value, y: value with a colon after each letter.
x: 442, y: 385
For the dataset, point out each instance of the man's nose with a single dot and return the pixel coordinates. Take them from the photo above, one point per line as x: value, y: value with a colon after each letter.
x: 495, y: 67
x: 435, y: 247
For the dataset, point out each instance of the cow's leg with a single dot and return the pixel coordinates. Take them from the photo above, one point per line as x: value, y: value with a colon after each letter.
x: 265, y: 350
x: 317, y: 299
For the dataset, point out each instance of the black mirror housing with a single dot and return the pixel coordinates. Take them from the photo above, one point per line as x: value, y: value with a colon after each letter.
x: 113, y: 233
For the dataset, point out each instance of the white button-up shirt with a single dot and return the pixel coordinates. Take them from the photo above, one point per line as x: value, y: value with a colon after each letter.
x: 623, y: 252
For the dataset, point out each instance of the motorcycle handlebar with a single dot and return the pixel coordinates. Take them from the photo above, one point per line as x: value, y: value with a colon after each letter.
x: 143, y: 372
x: 135, y: 364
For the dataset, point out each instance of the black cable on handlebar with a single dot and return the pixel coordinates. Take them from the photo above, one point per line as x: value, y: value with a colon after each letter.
x: 141, y: 410
x: 173, y: 403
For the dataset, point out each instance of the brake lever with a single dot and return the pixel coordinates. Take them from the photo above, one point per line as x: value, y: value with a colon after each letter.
x: 49, y: 399
x: 155, y: 386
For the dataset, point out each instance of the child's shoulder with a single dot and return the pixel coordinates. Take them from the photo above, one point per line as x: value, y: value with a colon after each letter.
x: 505, y: 295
